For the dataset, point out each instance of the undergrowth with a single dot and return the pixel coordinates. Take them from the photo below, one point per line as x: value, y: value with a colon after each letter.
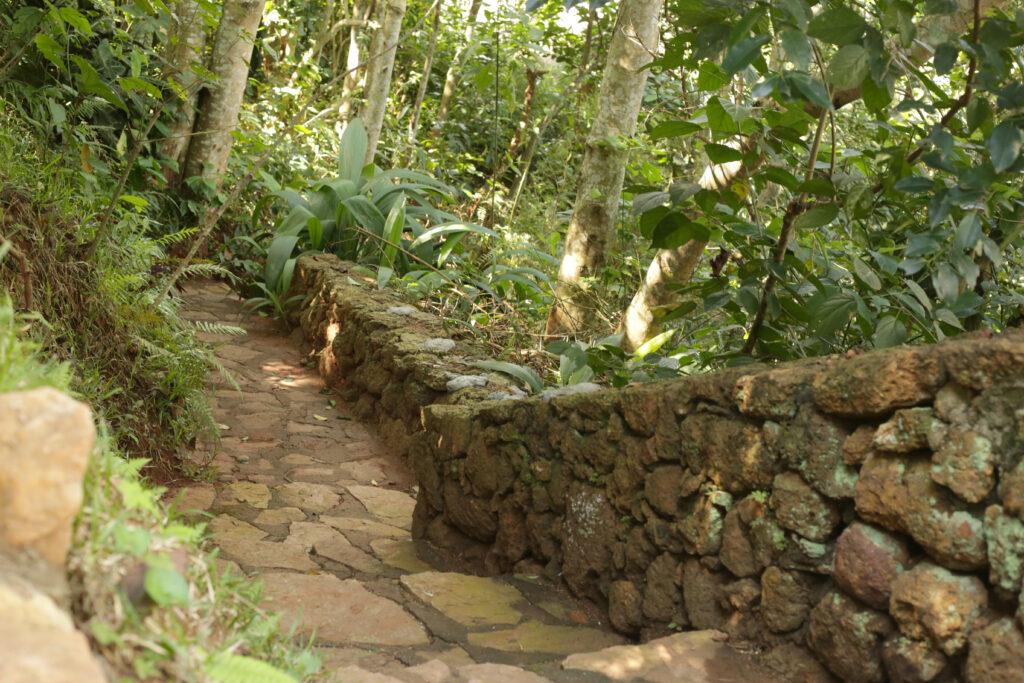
x: 151, y: 600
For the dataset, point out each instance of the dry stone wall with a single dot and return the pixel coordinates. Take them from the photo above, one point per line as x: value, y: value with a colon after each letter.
x: 861, y: 514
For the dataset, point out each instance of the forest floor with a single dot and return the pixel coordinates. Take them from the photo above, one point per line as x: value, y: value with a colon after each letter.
x: 311, y: 502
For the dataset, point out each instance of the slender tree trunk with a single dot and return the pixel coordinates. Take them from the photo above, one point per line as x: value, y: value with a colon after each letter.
x: 220, y: 101
x: 634, y: 41
x: 361, y: 10
x: 381, y: 62
x: 676, y: 266
x: 451, y: 79
x: 185, y: 47
x: 428, y: 62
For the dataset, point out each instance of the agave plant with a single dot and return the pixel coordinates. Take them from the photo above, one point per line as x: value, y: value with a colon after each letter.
x: 385, y: 218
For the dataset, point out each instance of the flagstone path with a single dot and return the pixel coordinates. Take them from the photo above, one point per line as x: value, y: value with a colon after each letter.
x: 310, y: 501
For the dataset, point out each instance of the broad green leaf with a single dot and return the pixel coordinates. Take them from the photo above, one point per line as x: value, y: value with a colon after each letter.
x: 721, y: 154
x: 889, y: 331
x: 834, y: 312
x: 868, y: 276
x: 675, y: 230
x: 394, y: 226
x: 743, y: 53
x: 838, y: 25
x: 719, y: 120
x: 526, y: 375
x: 876, y: 97
x: 946, y: 282
x: 796, y: 47
x: 710, y: 76
x: 848, y: 67
x: 166, y: 586
x: 574, y: 359
x: 816, y: 216
x: 132, y: 83
x: 225, y: 667
x: 279, y: 252
x: 945, y: 57
x: 798, y: 11
x: 450, y: 229
x: 782, y: 177
x: 316, y: 231
x: 914, y: 184
x: 673, y: 129
x: 812, y: 90
x: 653, y: 344
x: 135, y: 200
x: 747, y: 21
x: 352, y: 151
x: 76, y: 19
x: 1004, y: 145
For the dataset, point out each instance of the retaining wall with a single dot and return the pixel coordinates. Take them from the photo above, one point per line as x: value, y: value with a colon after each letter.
x: 864, y: 510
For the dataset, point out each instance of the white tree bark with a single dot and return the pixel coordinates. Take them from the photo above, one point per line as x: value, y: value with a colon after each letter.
x: 632, y: 46
x: 218, y: 106
x: 353, y: 71
x: 381, y: 62
x: 187, y: 38
x: 451, y: 78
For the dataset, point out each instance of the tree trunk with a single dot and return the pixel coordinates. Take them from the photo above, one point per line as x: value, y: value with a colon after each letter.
x: 380, y: 63
x: 353, y: 70
x: 451, y: 78
x: 634, y: 41
x: 187, y: 38
x: 220, y: 101
x: 428, y: 61
x: 676, y: 266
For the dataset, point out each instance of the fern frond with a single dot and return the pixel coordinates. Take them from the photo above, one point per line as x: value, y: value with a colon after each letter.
x: 176, y: 237
x: 218, y: 328
x: 225, y: 373
x: 208, y: 270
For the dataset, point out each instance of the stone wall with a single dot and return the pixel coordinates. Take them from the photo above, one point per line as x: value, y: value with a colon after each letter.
x: 862, y: 513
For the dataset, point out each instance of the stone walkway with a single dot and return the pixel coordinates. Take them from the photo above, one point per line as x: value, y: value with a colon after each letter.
x: 310, y: 501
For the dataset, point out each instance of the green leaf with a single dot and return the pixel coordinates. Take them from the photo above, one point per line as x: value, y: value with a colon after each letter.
x: 1004, y: 145
x: 673, y: 129
x: 868, y: 276
x: 876, y: 97
x: 393, y: 228
x: 675, y: 230
x: 526, y: 375
x: 848, y: 67
x: 352, y: 151
x: 796, y: 47
x: 945, y: 57
x: 839, y: 26
x: 890, y: 331
x: 710, y: 77
x: 132, y: 83
x: 811, y: 89
x: 946, y: 282
x: 50, y: 49
x: 834, y: 312
x: 134, y: 200
x: 816, y: 216
x: 782, y: 177
x: 798, y: 11
x: 166, y: 586
x: 719, y: 120
x: 76, y: 19
x: 743, y: 53
x: 279, y: 252
x: 721, y: 154
x: 230, y: 668
x: 978, y: 112
x: 914, y: 184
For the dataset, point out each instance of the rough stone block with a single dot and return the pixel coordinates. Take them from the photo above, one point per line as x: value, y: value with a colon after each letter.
x: 45, y: 441
x: 873, y: 384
